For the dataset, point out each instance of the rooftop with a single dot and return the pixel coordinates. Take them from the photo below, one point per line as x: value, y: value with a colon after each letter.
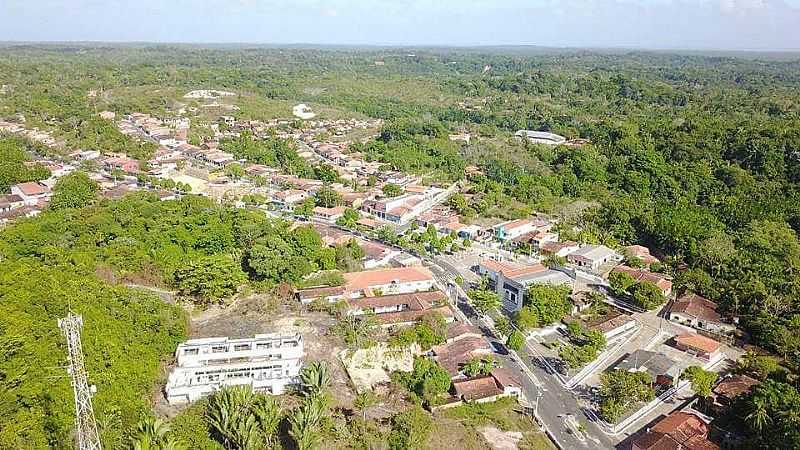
x: 697, y: 306
x: 698, y: 342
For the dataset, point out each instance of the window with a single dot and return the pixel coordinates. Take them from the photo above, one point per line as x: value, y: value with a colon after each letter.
x: 191, y: 351
x: 241, y: 347
x: 263, y: 345
x: 219, y: 349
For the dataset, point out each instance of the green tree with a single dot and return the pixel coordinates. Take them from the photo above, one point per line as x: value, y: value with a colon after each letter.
x: 410, y: 429
x: 516, y: 341
x: 647, y: 295
x: 153, y: 434
x: 315, y: 378
x: 209, y: 277
x: 75, y: 190
x: 702, y: 381
x: 620, y: 283
x: 348, y: 219
x: 327, y: 197
x: 392, y: 190
x: 234, y: 171
x: 484, y: 299
x: 364, y: 401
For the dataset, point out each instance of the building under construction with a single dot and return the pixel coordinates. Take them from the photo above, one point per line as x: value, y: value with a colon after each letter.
x: 266, y: 363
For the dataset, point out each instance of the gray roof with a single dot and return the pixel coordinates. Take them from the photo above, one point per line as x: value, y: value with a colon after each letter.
x: 553, y: 277
x: 654, y: 363
x: 594, y: 252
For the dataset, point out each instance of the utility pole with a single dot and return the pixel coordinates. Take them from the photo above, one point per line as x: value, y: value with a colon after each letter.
x: 86, y: 436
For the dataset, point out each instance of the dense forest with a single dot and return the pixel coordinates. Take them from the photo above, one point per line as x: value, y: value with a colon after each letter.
x: 697, y: 157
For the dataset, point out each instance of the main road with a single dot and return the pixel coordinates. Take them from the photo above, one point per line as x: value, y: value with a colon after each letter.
x: 554, y: 406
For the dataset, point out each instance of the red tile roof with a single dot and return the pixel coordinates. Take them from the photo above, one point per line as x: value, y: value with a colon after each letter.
x: 477, y: 388
x: 697, y: 306
x: 735, y: 386
x: 33, y: 188
x: 697, y: 342
x: 362, y: 280
x: 679, y: 430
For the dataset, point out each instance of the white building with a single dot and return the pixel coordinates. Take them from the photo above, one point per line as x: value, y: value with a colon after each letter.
x: 540, y: 137
x: 591, y: 257
x: 266, y: 363
x: 511, y: 281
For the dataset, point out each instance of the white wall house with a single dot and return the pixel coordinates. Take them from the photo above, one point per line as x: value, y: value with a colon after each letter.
x: 591, y: 257
x: 266, y: 363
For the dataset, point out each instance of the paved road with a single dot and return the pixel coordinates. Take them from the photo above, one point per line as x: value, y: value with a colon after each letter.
x: 555, y: 406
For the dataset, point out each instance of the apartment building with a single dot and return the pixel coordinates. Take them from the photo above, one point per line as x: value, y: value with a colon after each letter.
x: 266, y: 363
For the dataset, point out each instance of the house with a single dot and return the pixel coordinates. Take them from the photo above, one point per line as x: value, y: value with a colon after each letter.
x: 124, y: 164
x: 641, y: 252
x: 700, y: 313
x: 265, y: 363
x: 399, y: 280
x: 31, y: 192
x: 325, y: 293
x: 698, y: 345
x: 591, y: 257
x: 377, y: 255
x: 289, y: 197
x: 726, y: 391
x: 612, y: 325
x: 452, y: 355
x: 511, y: 281
x: 402, y: 309
x: 560, y: 249
x: 372, y: 283
x: 514, y: 228
x: 328, y: 214
x: 663, y: 282
x: 663, y: 370
x: 679, y: 430
x: 10, y: 201
x: 462, y: 330
x: 488, y: 388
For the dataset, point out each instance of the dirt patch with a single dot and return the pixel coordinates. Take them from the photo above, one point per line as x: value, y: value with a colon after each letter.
x: 501, y: 440
x: 371, y: 367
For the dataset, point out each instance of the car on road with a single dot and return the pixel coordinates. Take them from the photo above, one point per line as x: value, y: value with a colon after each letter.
x: 499, y: 348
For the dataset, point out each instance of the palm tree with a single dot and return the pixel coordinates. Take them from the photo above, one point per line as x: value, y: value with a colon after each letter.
x: 364, y: 401
x: 315, y: 378
x: 231, y: 419
x: 153, y: 434
x: 268, y: 415
x: 759, y: 416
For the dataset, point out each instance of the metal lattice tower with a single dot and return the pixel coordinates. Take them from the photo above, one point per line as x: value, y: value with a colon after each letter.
x: 86, y: 436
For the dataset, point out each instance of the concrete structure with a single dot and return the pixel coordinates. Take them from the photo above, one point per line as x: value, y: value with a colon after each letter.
x: 514, y: 228
x: 613, y: 325
x: 265, y: 363
x: 328, y: 214
x: 726, y: 391
x: 700, y: 313
x: 540, y: 137
x: 591, y: 257
x: 511, y: 281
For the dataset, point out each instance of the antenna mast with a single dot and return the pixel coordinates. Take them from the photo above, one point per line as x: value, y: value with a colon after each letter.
x: 86, y: 436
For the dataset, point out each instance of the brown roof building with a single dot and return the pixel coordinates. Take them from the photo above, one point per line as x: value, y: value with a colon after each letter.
x: 699, y: 345
x: 678, y: 431
x: 699, y: 312
x: 663, y: 282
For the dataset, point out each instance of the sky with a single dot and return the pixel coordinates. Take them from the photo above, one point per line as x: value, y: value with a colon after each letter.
x: 648, y: 24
